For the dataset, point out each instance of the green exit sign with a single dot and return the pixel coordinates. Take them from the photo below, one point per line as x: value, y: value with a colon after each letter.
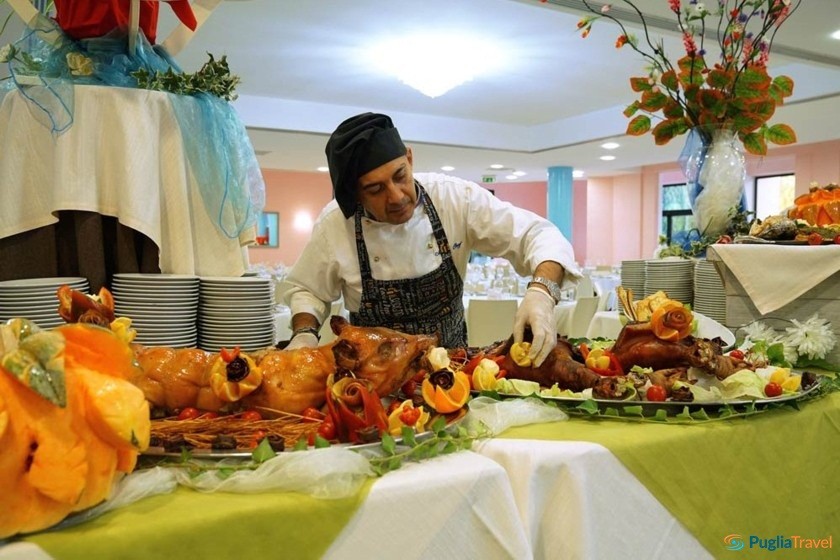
x: 488, y: 178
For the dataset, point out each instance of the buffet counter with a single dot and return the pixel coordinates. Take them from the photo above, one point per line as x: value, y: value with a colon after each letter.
x: 133, y: 168
x: 575, y: 489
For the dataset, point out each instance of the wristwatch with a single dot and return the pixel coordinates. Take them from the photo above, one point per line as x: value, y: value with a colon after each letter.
x: 550, y: 285
x: 310, y: 330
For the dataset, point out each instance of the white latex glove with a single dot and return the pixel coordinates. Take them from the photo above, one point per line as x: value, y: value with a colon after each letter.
x: 303, y: 340
x: 536, y: 310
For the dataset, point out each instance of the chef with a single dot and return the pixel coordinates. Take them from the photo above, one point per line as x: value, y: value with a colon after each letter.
x: 396, y: 245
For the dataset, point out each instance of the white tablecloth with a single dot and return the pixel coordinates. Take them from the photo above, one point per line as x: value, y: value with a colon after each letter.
x: 576, y: 500
x: 122, y: 157
x: 607, y: 324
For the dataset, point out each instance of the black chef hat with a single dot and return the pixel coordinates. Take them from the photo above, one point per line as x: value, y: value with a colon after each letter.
x: 359, y: 145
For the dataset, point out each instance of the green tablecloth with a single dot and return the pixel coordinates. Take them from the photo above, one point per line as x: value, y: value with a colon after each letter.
x: 188, y: 524
x: 774, y: 474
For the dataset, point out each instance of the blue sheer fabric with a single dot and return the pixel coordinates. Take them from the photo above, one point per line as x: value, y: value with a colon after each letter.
x: 217, y: 146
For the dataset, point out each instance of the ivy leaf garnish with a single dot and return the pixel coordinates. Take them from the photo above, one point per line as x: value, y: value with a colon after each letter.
x: 263, y: 452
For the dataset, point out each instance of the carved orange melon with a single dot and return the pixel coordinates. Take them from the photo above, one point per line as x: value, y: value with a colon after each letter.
x: 819, y: 207
x: 56, y: 460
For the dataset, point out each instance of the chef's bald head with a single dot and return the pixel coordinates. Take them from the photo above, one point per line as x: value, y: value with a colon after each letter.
x: 359, y: 145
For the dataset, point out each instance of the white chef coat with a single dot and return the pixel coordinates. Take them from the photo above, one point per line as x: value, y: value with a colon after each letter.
x: 473, y: 219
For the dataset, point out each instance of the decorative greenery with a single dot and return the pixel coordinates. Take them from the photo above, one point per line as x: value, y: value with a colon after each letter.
x: 213, y: 78
x: 697, y: 242
x: 735, y: 91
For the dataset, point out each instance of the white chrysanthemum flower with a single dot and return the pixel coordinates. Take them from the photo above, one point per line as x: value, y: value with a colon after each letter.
x: 813, y: 338
x: 759, y: 331
x: 791, y: 351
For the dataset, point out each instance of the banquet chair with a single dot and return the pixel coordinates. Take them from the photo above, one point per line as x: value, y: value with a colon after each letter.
x: 585, y: 309
x: 490, y: 320
x: 326, y: 333
x: 585, y: 287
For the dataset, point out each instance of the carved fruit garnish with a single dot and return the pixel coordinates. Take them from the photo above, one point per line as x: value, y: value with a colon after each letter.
x: 443, y: 378
x: 671, y: 321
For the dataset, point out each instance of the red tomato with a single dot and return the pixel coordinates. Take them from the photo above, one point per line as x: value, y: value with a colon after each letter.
x: 772, y: 390
x: 258, y: 436
x: 815, y: 239
x: 410, y: 416
x: 736, y: 354
x: 209, y: 415
x: 251, y: 415
x: 392, y: 406
x: 189, y: 413
x: 656, y: 393
x: 409, y: 388
x: 471, y: 365
x: 327, y: 429
x: 724, y: 239
x: 313, y: 413
x: 837, y: 239
x: 229, y: 355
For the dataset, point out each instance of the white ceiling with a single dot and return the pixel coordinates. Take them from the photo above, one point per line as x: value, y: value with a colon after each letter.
x: 554, y: 101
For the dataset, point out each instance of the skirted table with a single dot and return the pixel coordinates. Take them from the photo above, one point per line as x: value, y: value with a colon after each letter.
x: 575, y: 489
x: 114, y: 193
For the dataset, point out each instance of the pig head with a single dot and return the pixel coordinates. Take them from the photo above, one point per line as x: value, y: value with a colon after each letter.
x: 386, y: 357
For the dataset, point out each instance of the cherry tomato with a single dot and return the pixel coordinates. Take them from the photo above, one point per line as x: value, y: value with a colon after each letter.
x: 815, y: 239
x: 251, y: 416
x: 410, y: 416
x: 327, y: 429
x: 656, y: 393
x: 209, y: 415
x: 392, y: 406
x: 258, y: 436
x: 313, y: 413
x: 409, y: 388
x: 837, y: 239
x: 736, y: 354
x: 772, y: 390
x: 724, y: 239
x: 189, y: 413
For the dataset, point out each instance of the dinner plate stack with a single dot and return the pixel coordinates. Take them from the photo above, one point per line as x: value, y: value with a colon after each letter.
x: 633, y: 278
x: 675, y: 277
x: 162, y: 307
x: 709, y: 295
x: 236, y: 311
x: 35, y: 299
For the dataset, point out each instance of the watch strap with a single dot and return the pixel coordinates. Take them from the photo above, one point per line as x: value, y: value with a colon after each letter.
x: 308, y: 330
x: 552, y: 286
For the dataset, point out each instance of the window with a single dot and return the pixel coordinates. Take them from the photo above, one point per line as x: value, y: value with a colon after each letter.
x: 773, y: 194
x: 677, y: 218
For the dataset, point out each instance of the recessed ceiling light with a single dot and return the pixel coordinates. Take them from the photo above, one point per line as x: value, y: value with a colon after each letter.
x: 519, y: 173
x: 577, y: 173
x: 497, y: 166
x: 836, y: 35
x: 607, y: 158
x: 447, y: 168
x: 610, y: 145
x: 323, y: 169
x: 511, y: 177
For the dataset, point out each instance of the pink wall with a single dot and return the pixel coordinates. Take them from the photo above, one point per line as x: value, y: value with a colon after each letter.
x: 615, y: 218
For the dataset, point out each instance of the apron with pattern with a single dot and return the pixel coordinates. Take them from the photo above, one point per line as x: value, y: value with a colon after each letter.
x: 429, y: 304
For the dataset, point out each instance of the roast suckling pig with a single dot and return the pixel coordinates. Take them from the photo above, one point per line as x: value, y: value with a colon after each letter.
x: 292, y: 380
x: 637, y: 345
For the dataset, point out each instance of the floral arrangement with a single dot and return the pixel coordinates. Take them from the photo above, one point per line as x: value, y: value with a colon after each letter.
x: 735, y: 91
x: 804, y: 344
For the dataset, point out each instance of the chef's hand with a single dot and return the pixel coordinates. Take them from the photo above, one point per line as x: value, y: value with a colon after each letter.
x: 303, y: 340
x: 536, y: 310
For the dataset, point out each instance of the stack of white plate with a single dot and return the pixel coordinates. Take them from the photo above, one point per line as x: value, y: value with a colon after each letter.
x: 675, y: 277
x: 162, y: 307
x: 236, y: 311
x: 35, y: 299
x: 709, y: 295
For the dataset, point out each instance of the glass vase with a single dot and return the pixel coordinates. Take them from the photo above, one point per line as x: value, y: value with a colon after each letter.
x: 715, y: 171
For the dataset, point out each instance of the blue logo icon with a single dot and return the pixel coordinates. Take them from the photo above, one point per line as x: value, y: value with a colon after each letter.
x: 733, y: 542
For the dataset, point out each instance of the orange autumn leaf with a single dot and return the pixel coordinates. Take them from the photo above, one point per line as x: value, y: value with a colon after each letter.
x: 672, y: 321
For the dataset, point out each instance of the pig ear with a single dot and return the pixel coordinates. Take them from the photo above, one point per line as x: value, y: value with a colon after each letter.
x: 337, y: 324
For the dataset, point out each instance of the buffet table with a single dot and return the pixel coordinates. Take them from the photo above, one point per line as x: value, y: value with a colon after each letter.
x: 574, y: 489
x: 123, y: 157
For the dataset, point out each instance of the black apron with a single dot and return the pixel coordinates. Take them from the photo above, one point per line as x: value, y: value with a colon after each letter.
x: 430, y: 304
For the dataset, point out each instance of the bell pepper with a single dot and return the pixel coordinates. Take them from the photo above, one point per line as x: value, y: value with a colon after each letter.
x: 604, y: 362
x: 355, y: 409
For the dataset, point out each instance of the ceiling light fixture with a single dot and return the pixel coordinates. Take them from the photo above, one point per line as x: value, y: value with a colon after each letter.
x: 610, y: 145
x: 447, y: 168
x: 511, y: 177
x: 607, y: 158
x: 432, y: 64
x: 577, y: 173
x: 836, y: 35
x: 519, y: 173
x: 497, y: 166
